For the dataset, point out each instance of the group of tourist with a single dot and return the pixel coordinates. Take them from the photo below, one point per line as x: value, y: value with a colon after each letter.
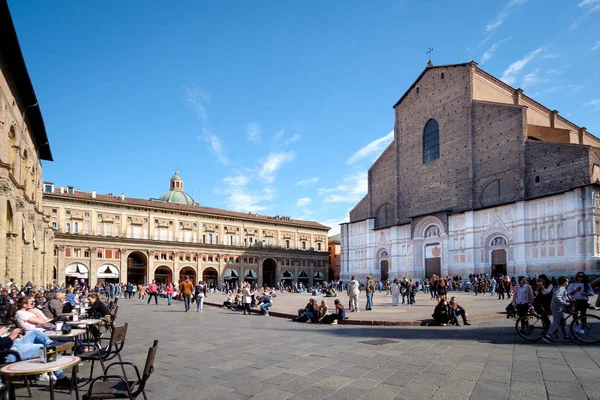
x: 34, y: 309
x: 250, y: 298
x: 319, y: 314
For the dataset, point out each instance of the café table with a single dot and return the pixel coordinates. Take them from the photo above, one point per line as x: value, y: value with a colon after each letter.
x: 87, y: 323
x: 59, y: 334
x: 37, y: 367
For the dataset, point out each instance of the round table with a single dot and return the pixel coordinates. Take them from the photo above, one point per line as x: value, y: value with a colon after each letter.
x: 36, y: 367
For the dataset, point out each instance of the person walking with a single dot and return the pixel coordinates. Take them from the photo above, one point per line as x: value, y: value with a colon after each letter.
x: 186, y: 288
x: 246, y: 298
x: 522, y: 299
x: 153, y: 292
x: 558, y: 305
x: 353, y: 290
x: 395, y: 289
x: 370, y: 289
x: 141, y: 292
x: 200, y: 293
x: 170, y: 290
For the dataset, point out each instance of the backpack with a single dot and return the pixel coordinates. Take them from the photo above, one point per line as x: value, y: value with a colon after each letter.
x: 5, y: 305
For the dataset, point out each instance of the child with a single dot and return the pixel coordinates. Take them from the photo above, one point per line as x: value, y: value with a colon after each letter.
x: 558, y: 304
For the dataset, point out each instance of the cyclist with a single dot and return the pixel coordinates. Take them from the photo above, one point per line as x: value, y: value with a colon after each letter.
x: 580, y: 291
x: 558, y: 304
x: 543, y: 297
x: 522, y: 299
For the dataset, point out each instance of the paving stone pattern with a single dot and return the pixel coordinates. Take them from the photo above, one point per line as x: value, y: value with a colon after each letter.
x: 220, y: 354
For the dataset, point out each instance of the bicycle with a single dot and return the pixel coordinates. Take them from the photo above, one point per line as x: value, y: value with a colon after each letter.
x: 533, y: 326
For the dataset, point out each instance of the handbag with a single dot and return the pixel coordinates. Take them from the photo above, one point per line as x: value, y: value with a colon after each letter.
x: 66, y: 329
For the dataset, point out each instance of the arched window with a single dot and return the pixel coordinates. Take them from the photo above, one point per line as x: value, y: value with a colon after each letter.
x: 431, y: 141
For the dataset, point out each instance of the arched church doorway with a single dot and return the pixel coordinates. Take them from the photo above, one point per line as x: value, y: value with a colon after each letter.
x: 137, y: 263
x: 163, y: 274
x: 498, y: 262
x: 433, y: 260
x: 384, y: 265
x: 269, y: 268
x: 210, y: 276
x: 187, y: 271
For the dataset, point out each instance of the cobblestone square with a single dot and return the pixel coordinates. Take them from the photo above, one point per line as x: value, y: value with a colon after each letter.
x: 220, y: 354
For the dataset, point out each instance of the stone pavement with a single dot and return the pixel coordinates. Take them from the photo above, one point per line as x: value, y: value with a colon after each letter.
x: 220, y: 354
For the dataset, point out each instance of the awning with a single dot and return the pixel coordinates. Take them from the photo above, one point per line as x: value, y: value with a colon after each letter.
x: 303, y: 274
x: 251, y: 274
x: 319, y: 276
x: 108, y: 271
x: 230, y: 273
x: 287, y: 274
x: 77, y: 270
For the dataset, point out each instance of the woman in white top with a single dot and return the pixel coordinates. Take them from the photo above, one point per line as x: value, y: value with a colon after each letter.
x: 395, y: 289
x: 25, y: 317
x: 579, y: 292
x: 246, y: 298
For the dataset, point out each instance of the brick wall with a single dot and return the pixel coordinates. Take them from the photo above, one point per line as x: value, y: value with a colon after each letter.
x: 498, y: 145
x: 444, y: 183
x: 361, y: 210
x: 556, y: 167
x: 382, y: 188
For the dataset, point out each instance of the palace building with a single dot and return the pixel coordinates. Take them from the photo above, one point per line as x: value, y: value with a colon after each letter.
x: 25, y: 237
x: 104, y: 238
x: 479, y: 178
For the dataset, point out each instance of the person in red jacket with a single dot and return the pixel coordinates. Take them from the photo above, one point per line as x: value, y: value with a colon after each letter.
x: 169, y: 290
x: 152, y: 292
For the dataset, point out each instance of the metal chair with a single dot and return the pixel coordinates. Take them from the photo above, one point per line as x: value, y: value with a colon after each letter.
x: 108, y: 352
x: 6, y: 382
x: 119, y: 387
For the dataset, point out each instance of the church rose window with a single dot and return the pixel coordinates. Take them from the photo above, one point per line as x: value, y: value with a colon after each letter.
x: 431, y: 141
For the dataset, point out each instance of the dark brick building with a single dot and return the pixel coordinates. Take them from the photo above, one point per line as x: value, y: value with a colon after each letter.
x: 479, y: 177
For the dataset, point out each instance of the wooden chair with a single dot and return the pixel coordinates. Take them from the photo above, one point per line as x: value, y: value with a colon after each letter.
x: 108, y: 352
x: 119, y: 387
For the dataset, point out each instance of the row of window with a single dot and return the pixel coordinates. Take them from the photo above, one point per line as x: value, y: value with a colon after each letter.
x: 187, y: 236
x: 85, y: 253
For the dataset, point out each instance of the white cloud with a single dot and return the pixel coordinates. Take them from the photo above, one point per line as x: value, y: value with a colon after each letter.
x: 197, y: 98
x: 530, y: 79
x: 594, y: 103
x: 596, y: 46
x: 352, y: 189
x: 511, y: 73
x: 502, y: 15
x: 253, y: 131
x: 216, y: 146
x: 334, y: 224
x: 293, y: 139
x: 490, y: 51
x: 270, y: 164
x: 308, y: 181
x: 240, y: 197
x: 375, y: 148
x: 303, y: 201
x: 279, y: 134
x: 586, y: 13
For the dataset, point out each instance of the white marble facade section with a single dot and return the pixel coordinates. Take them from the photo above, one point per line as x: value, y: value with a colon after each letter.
x: 553, y: 235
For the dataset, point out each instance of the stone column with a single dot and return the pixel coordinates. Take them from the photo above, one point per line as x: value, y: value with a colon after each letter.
x: 150, y: 268
x: 260, y: 276
x: 123, y: 265
x: 26, y: 273
x: 17, y: 267
x: 3, y: 238
x: 92, y: 268
x: 60, y: 265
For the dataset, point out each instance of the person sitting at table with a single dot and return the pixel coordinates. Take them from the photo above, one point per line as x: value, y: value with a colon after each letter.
x: 27, y: 319
x: 54, y: 308
x: 28, y: 346
x: 97, y: 309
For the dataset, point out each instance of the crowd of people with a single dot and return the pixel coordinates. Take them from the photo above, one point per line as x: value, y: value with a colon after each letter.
x: 34, y: 309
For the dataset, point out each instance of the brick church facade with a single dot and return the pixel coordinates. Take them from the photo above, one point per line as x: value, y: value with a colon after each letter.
x: 479, y: 178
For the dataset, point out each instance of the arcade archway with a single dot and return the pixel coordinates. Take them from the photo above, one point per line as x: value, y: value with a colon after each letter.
x: 303, y: 278
x: 269, y: 268
x: 107, y: 273
x: 187, y: 271
x: 210, y: 276
x: 163, y: 274
x: 250, y: 276
x: 137, y: 264
x: 75, y: 272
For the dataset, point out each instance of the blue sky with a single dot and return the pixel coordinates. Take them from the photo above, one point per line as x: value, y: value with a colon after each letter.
x: 275, y: 107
